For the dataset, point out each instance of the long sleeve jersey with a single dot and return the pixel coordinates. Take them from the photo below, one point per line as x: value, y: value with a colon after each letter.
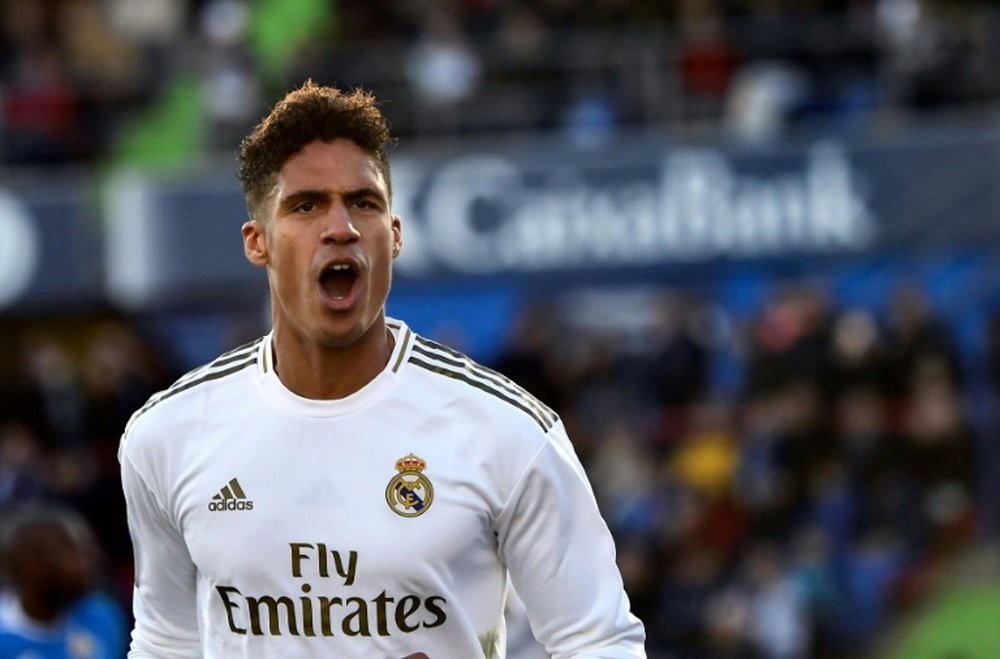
x: 382, y: 524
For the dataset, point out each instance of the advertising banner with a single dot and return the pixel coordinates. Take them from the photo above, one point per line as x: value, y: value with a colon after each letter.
x: 51, y: 255
x: 525, y: 208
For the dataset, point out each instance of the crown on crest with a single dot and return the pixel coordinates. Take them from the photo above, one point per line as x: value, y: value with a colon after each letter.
x: 410, y: 463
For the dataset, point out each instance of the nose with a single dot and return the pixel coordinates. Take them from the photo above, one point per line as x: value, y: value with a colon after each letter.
x: 338, y: 225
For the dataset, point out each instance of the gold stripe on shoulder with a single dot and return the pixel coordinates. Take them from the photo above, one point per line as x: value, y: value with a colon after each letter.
x: 404, y: 346
x: 223, y: 366
x: 494, y: 379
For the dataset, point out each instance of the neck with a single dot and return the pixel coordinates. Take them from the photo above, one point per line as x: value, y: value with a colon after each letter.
x: 327, y: 372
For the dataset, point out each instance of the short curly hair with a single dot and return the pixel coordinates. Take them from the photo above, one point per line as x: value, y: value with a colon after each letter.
x: 311, y: 112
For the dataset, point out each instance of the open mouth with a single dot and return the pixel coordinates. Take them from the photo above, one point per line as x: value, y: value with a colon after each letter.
x: 337, y: 280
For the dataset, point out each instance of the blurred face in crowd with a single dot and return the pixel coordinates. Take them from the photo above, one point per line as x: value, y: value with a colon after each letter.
x: 327, y: 240
x: 54, y: 566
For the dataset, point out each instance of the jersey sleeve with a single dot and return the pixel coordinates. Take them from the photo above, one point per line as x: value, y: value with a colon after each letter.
x: 164, y: 596
x: 561, y: 559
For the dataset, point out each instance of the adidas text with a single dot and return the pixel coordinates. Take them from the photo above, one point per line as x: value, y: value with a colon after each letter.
x: 230, y: 504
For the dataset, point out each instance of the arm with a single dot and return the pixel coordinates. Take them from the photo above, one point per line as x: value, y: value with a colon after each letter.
x: 164, y: 601
x: 561, y: 559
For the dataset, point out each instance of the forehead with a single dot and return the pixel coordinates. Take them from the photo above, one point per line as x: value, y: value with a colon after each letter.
x: 337, y: 165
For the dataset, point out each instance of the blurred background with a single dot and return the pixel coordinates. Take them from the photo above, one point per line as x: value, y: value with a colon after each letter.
x: 748, y: 249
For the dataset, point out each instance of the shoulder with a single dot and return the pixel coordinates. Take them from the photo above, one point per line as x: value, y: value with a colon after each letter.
x: 166, y: 403
x: 476, y: 384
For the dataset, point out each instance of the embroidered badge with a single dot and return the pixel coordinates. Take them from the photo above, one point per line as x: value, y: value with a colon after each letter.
x: 409, y: 493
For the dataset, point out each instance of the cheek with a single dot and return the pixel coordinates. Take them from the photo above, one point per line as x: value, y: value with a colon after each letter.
x: 286, y: 264
x: 380, y: 274
x: 284, y: 250
x: 387, y: 256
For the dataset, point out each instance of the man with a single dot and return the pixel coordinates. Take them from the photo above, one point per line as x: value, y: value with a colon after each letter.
x: 343, y: 487
x: 51, y: 609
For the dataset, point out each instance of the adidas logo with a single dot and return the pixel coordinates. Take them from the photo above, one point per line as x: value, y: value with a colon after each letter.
x: 230, y: 497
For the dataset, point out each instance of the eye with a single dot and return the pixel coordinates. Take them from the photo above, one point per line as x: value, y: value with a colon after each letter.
x: 306, y: 207
x: 366, y: 204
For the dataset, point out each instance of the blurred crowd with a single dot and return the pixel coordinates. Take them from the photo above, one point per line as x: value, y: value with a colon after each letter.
x: 792, y: 508
x: 794, y: 515
x: 86, y: 80
x: 64, y: 400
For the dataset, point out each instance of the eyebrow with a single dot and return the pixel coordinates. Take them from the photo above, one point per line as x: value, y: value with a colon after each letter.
x: 318, y: 196
x: 363, y: 193
x: 303, y: 195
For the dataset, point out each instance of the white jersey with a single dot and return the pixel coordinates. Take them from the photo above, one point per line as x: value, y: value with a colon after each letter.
x: 382, y: 524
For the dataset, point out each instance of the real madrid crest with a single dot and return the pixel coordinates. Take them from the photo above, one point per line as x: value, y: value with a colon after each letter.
x: 409, y: 492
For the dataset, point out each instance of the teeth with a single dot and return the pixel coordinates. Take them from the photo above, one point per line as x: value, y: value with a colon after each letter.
x: 340, y: 266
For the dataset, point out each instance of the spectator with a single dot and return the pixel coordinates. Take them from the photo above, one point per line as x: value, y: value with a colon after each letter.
x: 529, y: 355
x: 681, y: 357
x: 56, y: 396
x: 728, y: 627
x: 51, y: 607
x: 231, y: 84
x: 706, y: 59
x: 915, y: 338
x: 939, y: 442
x: 443, y: 69
x: 857, y: 351
x: 780, y: 622
x: 40, y: 108
x: 813, y: 569
x: 696, y: 574
x: 791, y: 341
x: 22, y: 469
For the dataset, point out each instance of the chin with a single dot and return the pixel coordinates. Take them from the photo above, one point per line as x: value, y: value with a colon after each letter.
x: 342, y: 335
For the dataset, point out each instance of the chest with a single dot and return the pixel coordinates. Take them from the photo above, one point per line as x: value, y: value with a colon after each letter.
x: 336, y: 503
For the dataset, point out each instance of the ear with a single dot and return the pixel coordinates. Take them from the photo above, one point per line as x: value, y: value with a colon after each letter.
x: 397, y: 236
x: 255, y: 242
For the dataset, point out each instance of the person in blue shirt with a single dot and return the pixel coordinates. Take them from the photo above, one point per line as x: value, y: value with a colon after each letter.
x: 50, y: 607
